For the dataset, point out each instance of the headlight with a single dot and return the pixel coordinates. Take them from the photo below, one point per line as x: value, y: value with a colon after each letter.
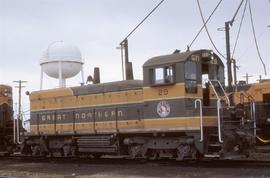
x: 206, y: 55
x: 5, y: 92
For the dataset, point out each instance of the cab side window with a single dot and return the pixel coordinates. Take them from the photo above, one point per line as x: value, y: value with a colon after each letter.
x: 220, y: 74
x: 162, y: 75
x: 190, y: 77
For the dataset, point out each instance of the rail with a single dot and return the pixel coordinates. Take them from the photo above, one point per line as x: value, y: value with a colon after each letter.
x: 201, y: 118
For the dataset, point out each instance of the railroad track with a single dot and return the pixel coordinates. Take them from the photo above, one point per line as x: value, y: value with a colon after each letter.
x: 124, y: 161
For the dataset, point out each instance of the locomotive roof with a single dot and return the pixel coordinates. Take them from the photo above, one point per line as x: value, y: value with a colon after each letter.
x: 88, y: 89
x: 107, y: 87
x: 5, y: 86
x: 176, y: 57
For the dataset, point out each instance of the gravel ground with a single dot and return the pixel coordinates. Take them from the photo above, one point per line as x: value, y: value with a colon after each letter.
x: 92, y: 169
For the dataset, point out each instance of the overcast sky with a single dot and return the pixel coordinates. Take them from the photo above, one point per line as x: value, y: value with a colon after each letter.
x: 96, y: 27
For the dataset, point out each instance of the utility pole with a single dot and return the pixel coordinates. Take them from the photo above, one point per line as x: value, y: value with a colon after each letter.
x: 20, y: 82
x: 228, y: 51
x: 247, y: 77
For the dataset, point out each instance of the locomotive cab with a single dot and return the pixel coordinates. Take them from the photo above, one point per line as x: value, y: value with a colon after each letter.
x: 185, y: 92
x: 182, y: 78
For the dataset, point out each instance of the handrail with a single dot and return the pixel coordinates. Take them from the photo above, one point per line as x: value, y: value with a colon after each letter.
x: 207, y: 80
x: 201, y: 118
x: 14, y: 130
x: 246, y: 95
x: 219, y: 125
x: 219, y: 105
x: 213, y: 87
x: 262, y: 140
x: 18, y: 130
x: 254, y: 117
x: 225, y: 94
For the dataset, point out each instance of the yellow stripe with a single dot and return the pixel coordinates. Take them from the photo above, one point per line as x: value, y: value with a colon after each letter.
x: 45, y: 94
x: 83, y: 101
x: 169, y: 91
x: 171, y: 98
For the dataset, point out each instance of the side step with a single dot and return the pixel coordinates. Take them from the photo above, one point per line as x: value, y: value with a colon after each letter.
x: 263, y: 149
x: 213, y: 146
x: 3, y: 153
x: 212, y: 156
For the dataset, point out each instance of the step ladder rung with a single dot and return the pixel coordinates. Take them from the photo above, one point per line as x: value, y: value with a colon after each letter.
x: 215, y: 145
x: 212, y: 155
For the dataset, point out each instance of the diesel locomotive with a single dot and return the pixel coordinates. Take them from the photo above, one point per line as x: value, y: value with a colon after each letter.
x: 259, y: 94
x: 180, y: 110
x: 6, y: 121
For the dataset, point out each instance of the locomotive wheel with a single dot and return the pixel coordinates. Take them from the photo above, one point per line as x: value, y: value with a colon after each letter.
x: 152, y: 155
x: 183, y: 151
x: 36, y: 150
x: 135, y: 151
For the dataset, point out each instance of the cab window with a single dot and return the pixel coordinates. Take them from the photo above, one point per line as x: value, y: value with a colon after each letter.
x: 163, y: 75
x: 191, y: 77
x: 220, y: 76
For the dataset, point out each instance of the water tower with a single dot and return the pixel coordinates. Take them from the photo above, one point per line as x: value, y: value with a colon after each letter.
x: 61, y: 61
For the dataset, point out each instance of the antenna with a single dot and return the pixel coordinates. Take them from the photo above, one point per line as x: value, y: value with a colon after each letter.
x: 124, y: 47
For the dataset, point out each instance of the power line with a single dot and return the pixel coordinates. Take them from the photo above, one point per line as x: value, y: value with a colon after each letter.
x: 236, y: 12
x: 127, y: 66
x: 240, y: 26
x: 144, y: 19
x: 269, y: 11
x: 205, y: 23
x: 206, y: 29
x: 244, y: 52
x: 255, y: 38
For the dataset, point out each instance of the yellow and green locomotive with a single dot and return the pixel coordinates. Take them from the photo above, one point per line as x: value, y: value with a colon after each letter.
x: 6, y: 121
x: 180, y: 110
x: 259, y: 95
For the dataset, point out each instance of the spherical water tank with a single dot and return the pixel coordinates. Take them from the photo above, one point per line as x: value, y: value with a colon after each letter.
x: 61, y: 58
